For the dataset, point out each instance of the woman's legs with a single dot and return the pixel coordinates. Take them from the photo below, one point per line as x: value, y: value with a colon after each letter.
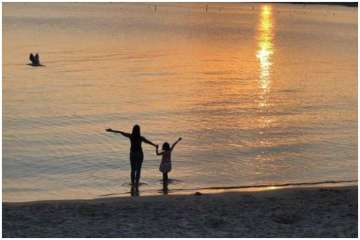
x: 136, y: 159
x: 138, y: 173
x: 132, y: 173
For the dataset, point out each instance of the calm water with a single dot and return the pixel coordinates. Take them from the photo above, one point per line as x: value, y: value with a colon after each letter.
x: 261, y: 94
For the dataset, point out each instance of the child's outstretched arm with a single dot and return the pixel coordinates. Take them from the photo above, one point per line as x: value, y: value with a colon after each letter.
x: 172, y: 147
x: 157, y: 151
x: 148, y: 142
x: 128, y: 135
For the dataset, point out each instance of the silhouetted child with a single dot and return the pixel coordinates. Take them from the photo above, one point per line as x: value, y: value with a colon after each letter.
x: 165, y: 165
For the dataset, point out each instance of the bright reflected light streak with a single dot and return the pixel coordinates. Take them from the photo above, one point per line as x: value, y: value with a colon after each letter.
x: 265, y: 46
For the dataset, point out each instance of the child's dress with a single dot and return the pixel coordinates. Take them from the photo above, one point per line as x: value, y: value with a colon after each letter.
x: 165, y: 165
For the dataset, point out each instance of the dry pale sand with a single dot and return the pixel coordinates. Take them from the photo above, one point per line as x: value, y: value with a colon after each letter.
x: 302, y: 212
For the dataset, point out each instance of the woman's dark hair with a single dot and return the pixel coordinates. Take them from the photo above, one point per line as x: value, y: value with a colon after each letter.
x: 136, y: 131
x: 166, y: 146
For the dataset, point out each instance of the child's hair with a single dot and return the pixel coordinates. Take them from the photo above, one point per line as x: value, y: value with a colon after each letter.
x: 166, y: 146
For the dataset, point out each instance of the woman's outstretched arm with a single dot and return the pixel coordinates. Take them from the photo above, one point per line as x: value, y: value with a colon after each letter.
x: 172, y: 147
x: 121, y: 132
x: 147, y: 141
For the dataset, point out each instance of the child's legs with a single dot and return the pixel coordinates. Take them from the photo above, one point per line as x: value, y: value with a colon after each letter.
x: 165, y: 177
x: 165, y: 184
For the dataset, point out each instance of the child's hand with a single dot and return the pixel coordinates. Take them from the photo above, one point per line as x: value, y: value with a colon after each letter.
x: 180, y: 139
x: 108, y: 129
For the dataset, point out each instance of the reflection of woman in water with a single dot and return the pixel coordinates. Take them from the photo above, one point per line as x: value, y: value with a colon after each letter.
x: 136, y: 152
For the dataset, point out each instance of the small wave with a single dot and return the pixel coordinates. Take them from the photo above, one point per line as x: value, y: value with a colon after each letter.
x: 261, y: 187
x: 172, y: 181
x: 129, y: 184
x: 280, y: 185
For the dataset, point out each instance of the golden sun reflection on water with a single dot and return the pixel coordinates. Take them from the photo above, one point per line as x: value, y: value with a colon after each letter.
x: 264, y: 52
x: 265, y: 48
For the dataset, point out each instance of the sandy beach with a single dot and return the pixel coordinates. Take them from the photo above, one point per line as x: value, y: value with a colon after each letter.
x: 300, y: 212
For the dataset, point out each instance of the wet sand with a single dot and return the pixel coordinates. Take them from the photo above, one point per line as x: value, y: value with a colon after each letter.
x: 300, y: 212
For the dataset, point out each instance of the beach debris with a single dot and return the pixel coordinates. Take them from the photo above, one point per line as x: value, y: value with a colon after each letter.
x: 215, y: 222
x: 284, y: 217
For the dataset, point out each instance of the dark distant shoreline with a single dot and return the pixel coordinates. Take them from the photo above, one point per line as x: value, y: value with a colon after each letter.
x: 346, y: 4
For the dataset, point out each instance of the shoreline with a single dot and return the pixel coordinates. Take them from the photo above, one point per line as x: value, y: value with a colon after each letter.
x: 291, y: 212
x: 210, y: 190
x: 344, y: 4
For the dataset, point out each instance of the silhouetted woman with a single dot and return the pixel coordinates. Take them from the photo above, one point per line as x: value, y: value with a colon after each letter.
x: 136, y: 152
